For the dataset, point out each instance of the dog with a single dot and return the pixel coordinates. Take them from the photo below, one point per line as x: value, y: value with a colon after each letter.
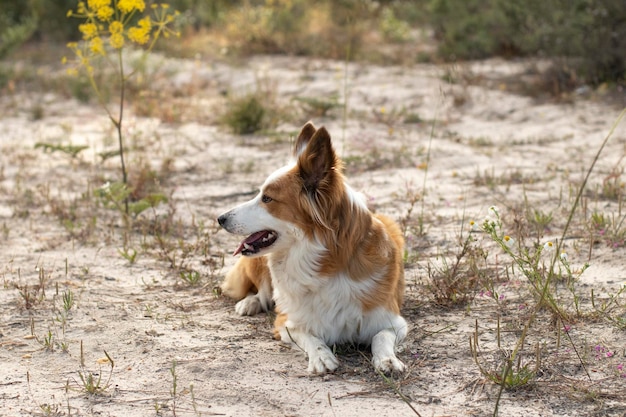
x: 333, y: 269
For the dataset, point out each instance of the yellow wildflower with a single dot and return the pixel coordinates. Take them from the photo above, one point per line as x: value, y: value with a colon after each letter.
x: 145, y: 23
x: 141, y: 33
x: 96, y: 45
x: 128, y: 6
x: 89, y: 30
x: 105, y: 13
x: 81, y: 8
x: 117, y: 40
x: 116, y: 27
x: 95, y: 5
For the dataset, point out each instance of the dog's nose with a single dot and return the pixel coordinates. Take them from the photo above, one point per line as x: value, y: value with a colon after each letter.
x: 222, y: 219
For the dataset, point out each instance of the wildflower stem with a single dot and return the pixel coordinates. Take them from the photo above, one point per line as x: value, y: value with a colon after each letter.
x: 118, y: 126
x: 430, y: 142
x: 582, y: 187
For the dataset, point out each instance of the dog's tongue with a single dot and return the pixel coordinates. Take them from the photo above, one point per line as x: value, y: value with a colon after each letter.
x: 249, y: 240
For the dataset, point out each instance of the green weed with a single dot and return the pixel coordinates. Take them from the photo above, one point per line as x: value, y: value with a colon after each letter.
x: 71, y: 150
x: 92, y: 383
x: 47, y: 341
x: 117, y: 195
x: 246, y: 115
x: 455, y: 283
x: 68, y: 300
x: 190, y: 277
x: 129, y: 254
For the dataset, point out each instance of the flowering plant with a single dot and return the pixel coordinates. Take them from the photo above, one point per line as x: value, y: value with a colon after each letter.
x: 109, y: 27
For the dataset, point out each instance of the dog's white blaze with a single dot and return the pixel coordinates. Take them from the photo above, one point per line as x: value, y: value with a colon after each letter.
x: 355, y: 197
x: 277, y: 174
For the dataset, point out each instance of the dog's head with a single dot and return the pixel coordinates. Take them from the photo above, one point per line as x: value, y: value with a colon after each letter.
x: 294, y: 201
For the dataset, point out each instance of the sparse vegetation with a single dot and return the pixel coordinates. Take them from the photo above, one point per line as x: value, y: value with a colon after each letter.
x: 246, y: 115
x: 145, y: 258
x: 92, y: 382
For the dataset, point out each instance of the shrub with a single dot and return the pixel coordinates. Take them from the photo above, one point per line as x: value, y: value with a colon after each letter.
x: 469, y: 29
x: 16, y: 26
x: 245, y: 115
x: 590, y: 34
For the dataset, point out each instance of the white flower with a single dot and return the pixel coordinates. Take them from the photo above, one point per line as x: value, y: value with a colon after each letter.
x: 508, y: 241
x: 488, y: 222
x: 473, y: 225
x: 563, y: 256
x: 548, y: 246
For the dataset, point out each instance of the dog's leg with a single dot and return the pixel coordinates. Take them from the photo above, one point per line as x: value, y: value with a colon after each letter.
x: 321, y: 358
x: 256, y: 303
x: 249, y: 281
x: 383, y: 350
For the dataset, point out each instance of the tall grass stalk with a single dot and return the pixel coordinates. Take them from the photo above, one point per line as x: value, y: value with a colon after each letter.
x: 544, y: 290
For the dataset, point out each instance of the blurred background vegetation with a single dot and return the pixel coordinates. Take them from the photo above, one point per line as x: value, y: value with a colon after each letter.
x: 587, y: 38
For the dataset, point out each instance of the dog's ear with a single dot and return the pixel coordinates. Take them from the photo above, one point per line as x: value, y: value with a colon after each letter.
x: 307, y: 132
x: 317, y: 161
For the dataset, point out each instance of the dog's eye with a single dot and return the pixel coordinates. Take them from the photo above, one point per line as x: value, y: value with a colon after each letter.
x: 266, y: 198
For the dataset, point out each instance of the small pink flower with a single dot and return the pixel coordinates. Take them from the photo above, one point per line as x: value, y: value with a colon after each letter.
x: 567, y: 328
x: 609, y: 354
x: 620, y: 366
x: 501, y: 297
x: 488, y: 293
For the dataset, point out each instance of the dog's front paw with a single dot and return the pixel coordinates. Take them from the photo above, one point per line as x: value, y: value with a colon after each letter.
x: 249, y: 306
x: 322, y: 360
x: 389, y: 365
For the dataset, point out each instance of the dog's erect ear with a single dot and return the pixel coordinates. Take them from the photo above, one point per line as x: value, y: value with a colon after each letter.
x: 307, y: 132
x: 317, y: 160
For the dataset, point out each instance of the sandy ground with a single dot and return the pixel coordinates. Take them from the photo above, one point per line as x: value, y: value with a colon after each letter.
x: 181, y: 350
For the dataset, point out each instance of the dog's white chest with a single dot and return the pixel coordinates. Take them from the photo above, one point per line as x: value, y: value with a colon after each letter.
x: 327, y: 307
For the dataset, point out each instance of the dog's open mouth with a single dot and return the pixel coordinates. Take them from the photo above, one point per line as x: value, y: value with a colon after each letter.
x: 255, y: 242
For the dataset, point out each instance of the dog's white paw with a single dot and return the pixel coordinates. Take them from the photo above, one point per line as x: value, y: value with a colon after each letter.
x: 249, y: 306
x: 322, y: 360
x: 389, y: 365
